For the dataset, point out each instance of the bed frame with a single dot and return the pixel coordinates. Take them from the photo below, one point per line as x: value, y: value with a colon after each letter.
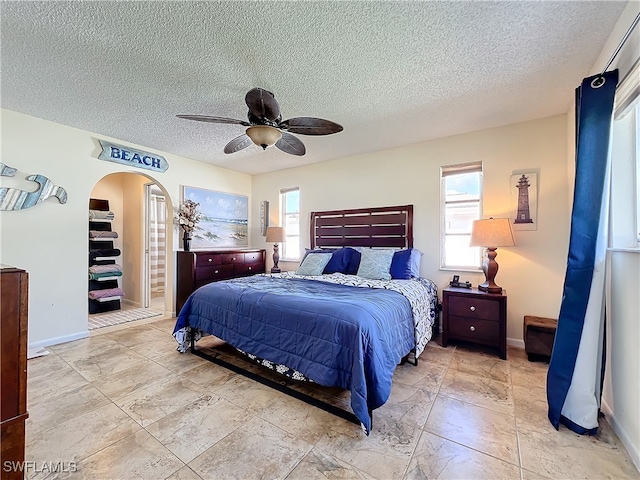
x: 385, y: 227
x: 381, y: 227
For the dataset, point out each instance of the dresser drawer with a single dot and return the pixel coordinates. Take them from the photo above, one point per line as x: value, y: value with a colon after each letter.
x: 213, y: 273
x: 205, y: 259
x: 474, y: 330
x: 253, y: 257
x: 233, y: 257
x: 474, y: 308
x: 248, y: 268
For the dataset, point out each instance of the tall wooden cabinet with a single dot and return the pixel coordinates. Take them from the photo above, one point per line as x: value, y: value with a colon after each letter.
x: 14, y: 295
x: 197, y: 268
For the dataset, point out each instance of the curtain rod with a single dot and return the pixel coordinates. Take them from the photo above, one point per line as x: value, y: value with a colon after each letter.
x: 622, y: 42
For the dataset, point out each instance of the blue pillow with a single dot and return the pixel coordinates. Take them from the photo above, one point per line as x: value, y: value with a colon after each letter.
x: 339, y: 261
x: 406, y: 264
x: 354, y: 263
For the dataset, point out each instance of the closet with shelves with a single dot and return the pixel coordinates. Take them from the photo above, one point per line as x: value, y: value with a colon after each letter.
x: 105, y: 273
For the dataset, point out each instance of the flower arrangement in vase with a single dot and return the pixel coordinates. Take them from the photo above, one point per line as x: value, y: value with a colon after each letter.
x: 188, y: 218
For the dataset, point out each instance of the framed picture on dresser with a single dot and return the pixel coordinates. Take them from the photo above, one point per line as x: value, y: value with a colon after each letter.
x: 225, y: 222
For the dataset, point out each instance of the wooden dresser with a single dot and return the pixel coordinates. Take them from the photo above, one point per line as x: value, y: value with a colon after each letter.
x: 474, y: 316
x: 197, y: 268
x: 14, y: 292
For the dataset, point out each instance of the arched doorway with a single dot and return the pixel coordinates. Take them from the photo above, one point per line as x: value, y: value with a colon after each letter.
x: 127, y: 193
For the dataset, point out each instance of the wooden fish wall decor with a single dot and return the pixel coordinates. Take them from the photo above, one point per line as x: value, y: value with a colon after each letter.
x: 16, y: 199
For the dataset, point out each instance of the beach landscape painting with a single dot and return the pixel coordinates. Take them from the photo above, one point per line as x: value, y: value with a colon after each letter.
x: 225, y: 221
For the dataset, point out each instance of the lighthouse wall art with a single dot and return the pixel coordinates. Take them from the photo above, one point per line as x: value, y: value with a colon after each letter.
x: 524, y: 200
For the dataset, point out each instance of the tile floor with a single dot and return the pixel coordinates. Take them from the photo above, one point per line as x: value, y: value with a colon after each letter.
x: 124, y: 404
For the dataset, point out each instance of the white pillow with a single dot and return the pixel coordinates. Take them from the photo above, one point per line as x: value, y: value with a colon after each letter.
x: 314, y: 264
x: 375, y: 264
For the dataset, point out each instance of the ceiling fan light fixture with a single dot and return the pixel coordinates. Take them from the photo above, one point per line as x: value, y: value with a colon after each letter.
x: 263, y: 135
x: 267, y: 128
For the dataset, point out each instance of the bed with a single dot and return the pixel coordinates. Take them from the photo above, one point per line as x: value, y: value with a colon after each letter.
x: 332, y: 322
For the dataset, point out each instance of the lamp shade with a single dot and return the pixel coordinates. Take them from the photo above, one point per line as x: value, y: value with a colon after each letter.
x: 276, y: 234
x: 263, y: 135
x: 492, y: 232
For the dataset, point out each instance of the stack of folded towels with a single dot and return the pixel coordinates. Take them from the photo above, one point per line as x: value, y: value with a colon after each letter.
x: 93, y: 234
x: 101, y: 215
x: 107, y: 292
x: 104, y: 271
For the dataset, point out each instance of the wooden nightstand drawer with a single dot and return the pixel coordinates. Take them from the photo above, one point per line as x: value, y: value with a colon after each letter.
x: 475, y: 308
x: 474, y: 316
x: 474, y: 330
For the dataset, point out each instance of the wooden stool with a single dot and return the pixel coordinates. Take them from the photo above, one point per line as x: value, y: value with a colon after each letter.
x: 539, y: 334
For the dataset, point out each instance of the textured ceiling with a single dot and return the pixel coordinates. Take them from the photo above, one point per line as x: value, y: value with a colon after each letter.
x: 392, y: 73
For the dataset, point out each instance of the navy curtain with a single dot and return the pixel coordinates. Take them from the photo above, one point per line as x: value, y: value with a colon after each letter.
x: 575, y: 370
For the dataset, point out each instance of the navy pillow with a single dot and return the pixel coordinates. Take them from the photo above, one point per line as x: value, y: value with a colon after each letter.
x: 354, y: 264
x: 339, y: 262
x: 405, y: 264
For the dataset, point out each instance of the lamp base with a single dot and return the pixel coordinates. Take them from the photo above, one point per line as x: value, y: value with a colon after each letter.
x: 276, y: 258
x: 485, y: 287
x: 490, y: 269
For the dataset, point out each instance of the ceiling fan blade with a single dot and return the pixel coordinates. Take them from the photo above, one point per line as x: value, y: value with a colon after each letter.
x: 290, y: 144
x: 310, y: 126
x: 262, y: 104
x: 207, y: 118
x: 238, y: 143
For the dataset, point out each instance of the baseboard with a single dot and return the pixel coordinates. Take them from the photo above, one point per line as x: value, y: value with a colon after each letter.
x: 515, y: 342
x: 58, y: 340
x: 623, y: 435
x: 131, y: 303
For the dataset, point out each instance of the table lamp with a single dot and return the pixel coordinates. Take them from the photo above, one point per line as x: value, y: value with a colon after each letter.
x: 491, y: 233
x: 276, y: 235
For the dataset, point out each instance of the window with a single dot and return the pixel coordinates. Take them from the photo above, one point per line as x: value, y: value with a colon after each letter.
x: 290, y: 215
x: 461, y: 187
x: 625, y: 163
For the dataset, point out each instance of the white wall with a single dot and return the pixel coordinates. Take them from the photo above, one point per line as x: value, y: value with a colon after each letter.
x: 50, y: 239
x: 532, y: 272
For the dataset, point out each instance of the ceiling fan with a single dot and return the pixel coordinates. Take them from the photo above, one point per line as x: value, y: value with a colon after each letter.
x: 266, y: 126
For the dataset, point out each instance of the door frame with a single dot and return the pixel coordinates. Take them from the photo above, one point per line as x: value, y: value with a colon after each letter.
x: 146, y: 261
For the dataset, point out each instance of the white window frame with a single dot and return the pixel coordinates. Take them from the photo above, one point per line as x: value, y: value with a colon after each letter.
x: 448, y: 171
x: 290, y: 251
x: 637, y: 155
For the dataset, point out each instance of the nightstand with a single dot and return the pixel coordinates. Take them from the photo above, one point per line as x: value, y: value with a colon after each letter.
x: 474, y: 316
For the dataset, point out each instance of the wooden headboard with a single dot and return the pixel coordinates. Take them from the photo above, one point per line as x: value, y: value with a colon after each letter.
x: 363, y: 227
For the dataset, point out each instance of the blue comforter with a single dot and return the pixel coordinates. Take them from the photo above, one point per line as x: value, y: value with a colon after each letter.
x: 336, y: 335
